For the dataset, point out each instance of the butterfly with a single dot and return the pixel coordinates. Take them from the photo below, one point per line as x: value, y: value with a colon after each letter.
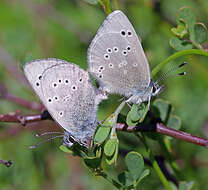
x: 67, y: 93
x: 117, y: 61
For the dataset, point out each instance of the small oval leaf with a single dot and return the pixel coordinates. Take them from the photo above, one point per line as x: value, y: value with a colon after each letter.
x: 101, y: 134
x: 179, y: 44
x: 112, y: 159
x: 110, y: 147
x: 174, y: 122
x: 135, y: 164
x: 200, y: 33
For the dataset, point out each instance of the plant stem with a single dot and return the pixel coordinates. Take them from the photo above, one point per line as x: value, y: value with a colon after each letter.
x: 112, y: 181
x: 155, y: 164
x: 116, y: 113
x: 161, y: 175
x: 107, y: 7
x: 176, y: 55
x: 115, y: 4
x: 172, y: 162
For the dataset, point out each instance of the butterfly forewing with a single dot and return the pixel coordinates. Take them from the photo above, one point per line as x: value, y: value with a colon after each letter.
x: 34, y: 70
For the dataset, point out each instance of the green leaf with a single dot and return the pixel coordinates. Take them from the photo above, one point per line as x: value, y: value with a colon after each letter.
x: 200, y: 31
x: 136, y: 114
x: 180, y: 31
x: 164, y: 109
x: 186, y: 14
x: 129, y: 122
x: 65, y: 149
x: 135, y: 164
x: 125, y: 179
x: 101, y: 134
x: 112, y: 159
x: 179, y: 44
x: 92, y: 2
x: 174, y: 122
x: 186, y: 185
x: 92, y: 162
x: 110, y: 146
x: 109, y: 121
x: 144, y: 174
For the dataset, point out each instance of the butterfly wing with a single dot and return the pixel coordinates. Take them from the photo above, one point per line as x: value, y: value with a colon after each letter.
x: 34, y: 70
x: 116, y: 58
x: 70, y: 98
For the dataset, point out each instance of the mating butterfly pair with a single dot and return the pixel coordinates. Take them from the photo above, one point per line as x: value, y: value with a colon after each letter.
x: 116, y: 60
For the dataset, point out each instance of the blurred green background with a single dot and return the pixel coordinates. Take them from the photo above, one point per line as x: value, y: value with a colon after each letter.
x: 63, y: 29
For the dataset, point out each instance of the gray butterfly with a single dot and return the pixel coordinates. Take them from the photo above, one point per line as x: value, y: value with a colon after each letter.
x: 67, y: 93
x: 116, y: 59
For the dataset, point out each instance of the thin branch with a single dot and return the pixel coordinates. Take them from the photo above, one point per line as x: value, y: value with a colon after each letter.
x: 6, y: 163
x: 162, y: 129
x: 16, y: 117
x: 158, y: 127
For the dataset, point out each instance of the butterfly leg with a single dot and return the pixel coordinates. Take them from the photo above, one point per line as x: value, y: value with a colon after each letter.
x: 68, y: 139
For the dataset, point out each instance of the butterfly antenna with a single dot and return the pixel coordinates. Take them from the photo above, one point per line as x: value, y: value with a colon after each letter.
x: 48, y: 133
x: 168, y: 75
x: 41, y: 142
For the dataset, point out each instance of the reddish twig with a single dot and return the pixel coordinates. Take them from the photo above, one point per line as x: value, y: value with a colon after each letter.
x: 159, y: 127
x: 6, y: 163
x: 162, y: 129
x: 16, y: 117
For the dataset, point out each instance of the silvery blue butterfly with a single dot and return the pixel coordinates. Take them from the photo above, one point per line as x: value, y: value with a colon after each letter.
x: 116, y: 59
x: 67, y: 93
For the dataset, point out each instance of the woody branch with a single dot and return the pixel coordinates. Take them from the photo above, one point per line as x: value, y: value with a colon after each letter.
x: 157, y: 127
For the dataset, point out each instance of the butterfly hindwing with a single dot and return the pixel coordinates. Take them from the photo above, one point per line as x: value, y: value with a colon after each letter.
x: 116, y: 58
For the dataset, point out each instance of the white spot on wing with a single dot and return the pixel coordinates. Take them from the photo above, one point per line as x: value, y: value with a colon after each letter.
x: 106, y: 56
x: 110, y: 65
